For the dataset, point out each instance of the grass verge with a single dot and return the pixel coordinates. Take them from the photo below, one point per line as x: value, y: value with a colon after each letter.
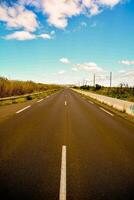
x: 27, y: 98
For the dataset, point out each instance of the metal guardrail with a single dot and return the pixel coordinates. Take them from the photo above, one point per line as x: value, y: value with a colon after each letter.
x: 23, y: 96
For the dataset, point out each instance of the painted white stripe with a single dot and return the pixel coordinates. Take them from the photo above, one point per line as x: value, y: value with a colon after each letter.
x: 107, y: 111
x: 19, y: 111
x: 62, y: 195
x: 40, y: 100
x: 65, y: 103
x: 91, y: 102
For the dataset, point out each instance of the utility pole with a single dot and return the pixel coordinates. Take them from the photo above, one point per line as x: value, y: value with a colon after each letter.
x: 83, y: 81
x: 94, y: 81
x: 110, y: 79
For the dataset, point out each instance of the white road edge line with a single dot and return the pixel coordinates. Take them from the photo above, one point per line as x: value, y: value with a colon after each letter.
x: 40, y: 100
x: 65, y: 103
x: 90, y: 102
x: 19, y: 111
x: 107, y: 111
x: 62, y: 194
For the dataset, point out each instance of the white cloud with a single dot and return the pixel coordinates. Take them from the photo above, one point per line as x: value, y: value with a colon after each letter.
x: 30, y: 2
x: 127, y: 62
x: 89, y: 67
x: 122, y: 71
x: 125, y: 77
x: 61, y: 72
x: 18, y: 17
x: 64, y: 60
x: 128, y: 74
x: 75, y: 69
x: 57, y: 12
x: 52, y: 32
x: 110, y: 3
x: 20, y: 35
x: 45, y: 36
x: 95, y: 10
x: 25, y: 35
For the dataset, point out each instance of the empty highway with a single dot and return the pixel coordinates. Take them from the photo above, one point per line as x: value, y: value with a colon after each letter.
x: 66, y: 147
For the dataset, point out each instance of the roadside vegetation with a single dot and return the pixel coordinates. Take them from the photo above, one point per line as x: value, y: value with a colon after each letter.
x: 14, y: 91
x: 10, y: 88
x: 121, y: 92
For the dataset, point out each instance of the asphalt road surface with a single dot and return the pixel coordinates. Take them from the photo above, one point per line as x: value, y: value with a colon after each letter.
x: 65, y: 146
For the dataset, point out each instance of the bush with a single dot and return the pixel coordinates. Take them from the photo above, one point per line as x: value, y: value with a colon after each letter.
x: 29, y: 97
x: 85, y: 87
x: 97, y: 87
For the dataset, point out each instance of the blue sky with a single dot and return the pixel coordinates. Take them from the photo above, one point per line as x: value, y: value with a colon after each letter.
x: 68, y: 41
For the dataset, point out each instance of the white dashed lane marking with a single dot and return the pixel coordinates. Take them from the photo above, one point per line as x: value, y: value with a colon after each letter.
x: 40, y: 100
x: 90, y: 102
x: 107, y: 111
x: 19, y: 111
x: 62, y: 194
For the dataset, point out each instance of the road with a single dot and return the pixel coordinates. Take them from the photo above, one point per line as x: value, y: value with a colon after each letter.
x: 65, y: 138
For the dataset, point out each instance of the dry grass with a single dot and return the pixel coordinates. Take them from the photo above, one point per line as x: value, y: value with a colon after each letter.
x: 14, y: 87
